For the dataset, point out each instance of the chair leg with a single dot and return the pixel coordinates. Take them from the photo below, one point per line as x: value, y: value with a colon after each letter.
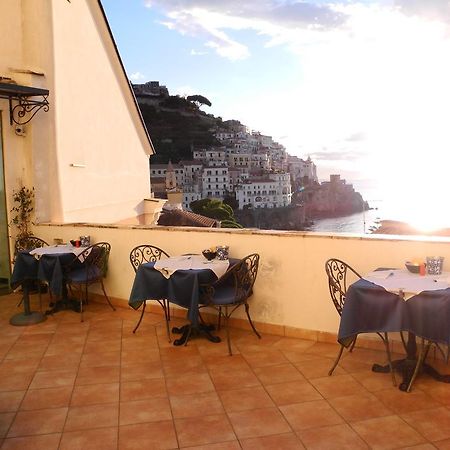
x: 219, y: 318
x: 106, y: 296
x: 165, y: 305
x: 421, y: 358
x: 250, y: 320
x: 353, y: 344
x: 140, y: 318
x: 330, y: 372
x: 388, y: 352
x: 227, y: 330
x: 81, y: 302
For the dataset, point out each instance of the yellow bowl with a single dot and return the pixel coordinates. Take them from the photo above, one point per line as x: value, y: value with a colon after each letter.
x: 412, y: 266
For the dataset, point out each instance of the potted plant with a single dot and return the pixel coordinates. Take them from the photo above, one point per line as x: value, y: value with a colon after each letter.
x: 22, y: 211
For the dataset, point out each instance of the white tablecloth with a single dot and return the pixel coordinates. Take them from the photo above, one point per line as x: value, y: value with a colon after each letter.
x: 408, y: 284
x: 191, y: 262
x: 57, y: 249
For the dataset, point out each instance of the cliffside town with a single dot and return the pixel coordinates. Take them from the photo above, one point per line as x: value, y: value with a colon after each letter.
x: 267, y: 187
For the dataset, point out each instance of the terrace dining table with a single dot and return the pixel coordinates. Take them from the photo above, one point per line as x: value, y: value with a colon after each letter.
x: 43, y: 264
x: 178, y: 279
x: 396, y: 301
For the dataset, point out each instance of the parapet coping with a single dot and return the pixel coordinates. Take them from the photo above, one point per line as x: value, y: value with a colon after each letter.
x: 256, y: 232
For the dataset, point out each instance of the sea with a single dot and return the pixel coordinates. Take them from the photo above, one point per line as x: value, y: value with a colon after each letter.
x: 382, y: 207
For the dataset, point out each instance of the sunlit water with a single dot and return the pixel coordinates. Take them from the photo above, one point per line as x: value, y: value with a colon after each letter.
x: 423, y: 210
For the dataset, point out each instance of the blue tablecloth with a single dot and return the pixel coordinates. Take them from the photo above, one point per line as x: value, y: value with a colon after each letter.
x: 182, y: 288
x: 370, y: 308
x: 49, y: 268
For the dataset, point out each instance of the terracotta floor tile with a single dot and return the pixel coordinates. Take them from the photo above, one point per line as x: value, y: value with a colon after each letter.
x: 230, y: 445
x: 336, y: 437
x: 54, y: 378
x: 279, y: 441
x: 92, y: 416
x: 15, y: 381
x: 401, y: 402
x: 192, y: 385
x: 225, y: 379
x: 373, y: 381
x: 278, y: 374
x: 43, y: 421
x: 359, y: 407
x: 41, y: 442
x: 106, y: 346
x: 47, y: 398
x: 56, y: 362
x: 245, y: 399
x: 224, y: 362
x: 440, y: 393
x: 258, y: 422
x: 186, y: 366
x: 292, y: 392
x: 294, y: 356
x: 302, y: 416
x: 387, y: 433
x: 28, y: 365
x: 6, y: 419
x: 96, y: 375
x: 100, y: 359
x: 149, y: 410
x: 94, y: 394
x: 433, y: 425
x: 157, y: 435
x: 443, y: 445
x: 140, y: 356
x: 203, y: 430
x: 265, y: 358
x: 337, y: 386
x: 324, y: 349
x: 195, y: 405
x: 98, y: 439
x: 142, y: 389
x: 318, y: 368
x: 420, y: 447
x: 286, y: 343
x: 10, y: 401
x: 140, y: 371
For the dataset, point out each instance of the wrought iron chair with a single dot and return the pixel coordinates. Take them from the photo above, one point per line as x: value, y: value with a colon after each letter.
x: 339, y: 273
x: 231, y: 291
x: 89, y: 267
x: 143, y: 254
x: 30, y: 243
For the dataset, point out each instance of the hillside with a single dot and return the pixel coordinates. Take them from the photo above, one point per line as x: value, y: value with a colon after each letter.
x: 176, y: 126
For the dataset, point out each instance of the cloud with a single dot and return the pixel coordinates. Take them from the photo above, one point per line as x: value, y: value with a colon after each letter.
x: 197, y: 53
x: 215, y: 21
x: 345, y: 155
x: 356, y: 137
x: 438, y: 10
x: 137, y: 76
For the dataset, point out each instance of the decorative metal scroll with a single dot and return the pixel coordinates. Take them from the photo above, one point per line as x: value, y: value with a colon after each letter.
x: 26, y: 109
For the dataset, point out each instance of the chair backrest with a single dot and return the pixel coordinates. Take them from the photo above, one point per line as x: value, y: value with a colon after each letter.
x: 145, y: 253
x: 337, y: 272
x: 96, y: 255
x: 28, y: 243
x: 244, y: 275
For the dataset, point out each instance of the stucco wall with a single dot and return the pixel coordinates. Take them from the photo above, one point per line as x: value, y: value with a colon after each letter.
x: 92, y: 119
x: 291, y: 288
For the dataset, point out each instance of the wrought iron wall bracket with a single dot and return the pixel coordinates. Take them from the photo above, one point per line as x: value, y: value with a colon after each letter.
x: 26, y: 109
x: 24, y: 101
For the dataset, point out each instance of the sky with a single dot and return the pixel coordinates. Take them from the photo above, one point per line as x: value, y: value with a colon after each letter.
x: 360, y: 86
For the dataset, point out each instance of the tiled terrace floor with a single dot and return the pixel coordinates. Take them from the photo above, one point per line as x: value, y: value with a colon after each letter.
x: 71, y: 385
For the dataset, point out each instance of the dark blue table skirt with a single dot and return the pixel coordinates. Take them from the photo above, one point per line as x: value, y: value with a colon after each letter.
x: 49, y: 268
x: 182, y: 288
x: 370, y: 308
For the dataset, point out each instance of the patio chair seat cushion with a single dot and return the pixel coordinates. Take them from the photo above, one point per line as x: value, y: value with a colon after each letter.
x: 81, y: 275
